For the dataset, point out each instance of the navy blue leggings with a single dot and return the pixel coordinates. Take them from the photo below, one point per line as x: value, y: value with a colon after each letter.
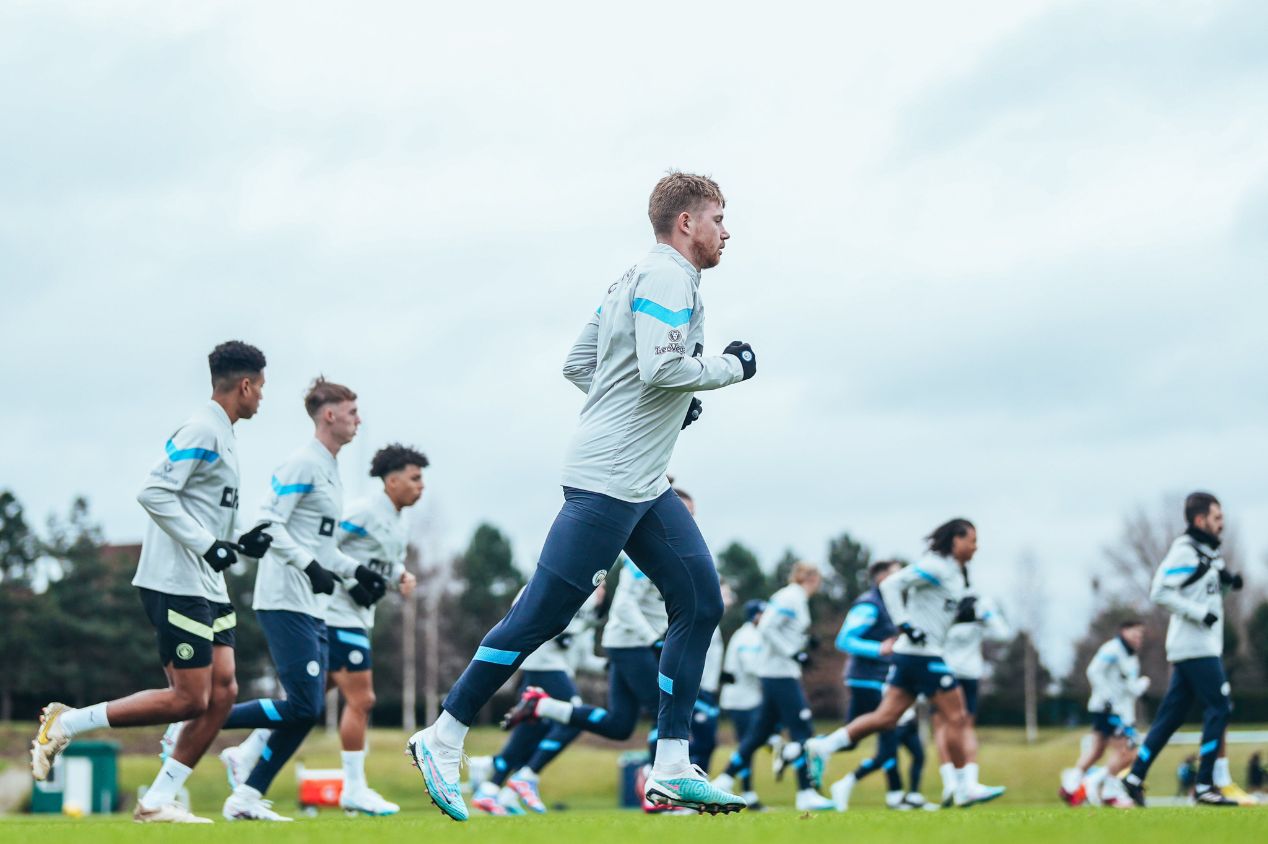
x: 297, y: 643
x: 588, y: 534
x: 704, y: 729
x: 783, y: 702
x: 532, y: 737
x: 1192, y: 681
x: 742, y: 721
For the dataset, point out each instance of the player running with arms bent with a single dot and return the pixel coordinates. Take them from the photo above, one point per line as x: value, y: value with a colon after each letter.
x: 639, y: 359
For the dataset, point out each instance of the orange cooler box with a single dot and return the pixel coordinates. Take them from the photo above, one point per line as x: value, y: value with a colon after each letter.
x: 319, y: 787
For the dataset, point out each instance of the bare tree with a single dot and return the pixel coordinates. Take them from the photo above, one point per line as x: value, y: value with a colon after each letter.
x: 1032, y: 591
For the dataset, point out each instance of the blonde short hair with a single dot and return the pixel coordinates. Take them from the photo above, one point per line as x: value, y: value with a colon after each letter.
x: 678, y: 192
x: 803, y: 571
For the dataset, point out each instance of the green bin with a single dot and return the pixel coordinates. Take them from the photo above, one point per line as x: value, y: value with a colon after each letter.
x: 85, y: 779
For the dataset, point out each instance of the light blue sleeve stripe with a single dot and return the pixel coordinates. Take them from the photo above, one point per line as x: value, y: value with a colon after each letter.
x: 351, y: 528
x: 289, y: 489
x: 1186, y: 570
x: 673, y: 319
x: 865, y: 684
x: 176, y: 455
x: 869, y: 648
x: 495, y: 656
x: 929, y: 577
x: 355, y: 639
x: 666, y: 684
x: 270, y: 711
x: 787, y: 612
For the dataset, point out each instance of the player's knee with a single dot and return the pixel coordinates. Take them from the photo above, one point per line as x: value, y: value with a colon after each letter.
x: 709, y: 609
x: 364, y: 700
x: 190, y: 704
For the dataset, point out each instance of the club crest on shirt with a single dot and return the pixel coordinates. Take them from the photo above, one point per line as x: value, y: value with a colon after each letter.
x: 327, y: 526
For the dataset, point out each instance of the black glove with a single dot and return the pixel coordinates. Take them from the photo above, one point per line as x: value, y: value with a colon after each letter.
x: 914, y: 634
x: 967, y: 611
x: 693, y: 412
x: 220, y: 555
x: 1209, y: 619
x: 744, y: 352
x: 564, y: 640
x: 370, y: 578
x: 367, y: 596
x: 255, y: 542
x: 1231, y: 580
x: 727, y: 678
x: 323, y: 581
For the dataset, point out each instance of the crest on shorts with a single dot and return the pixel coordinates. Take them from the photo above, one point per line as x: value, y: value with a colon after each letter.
x: 185, y: 651
x: 599, y: 576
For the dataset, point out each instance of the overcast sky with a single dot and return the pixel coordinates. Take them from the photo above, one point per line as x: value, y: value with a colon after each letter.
x: 997, y: 259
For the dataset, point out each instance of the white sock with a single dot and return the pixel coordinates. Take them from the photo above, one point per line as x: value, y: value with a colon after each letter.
x: 249, y: 751
x: 450, y: 731
x: 971, y: 771
x: 961, y: 780
x: 76, y: 721
x: 947, y: 771
x: 526, y: 773
x: 838, y: 739
x: 1222, y: 776
x: 487, y: 789
x: 246, y: 792
x: 166, y: 785
x: 353, y: 769
x: 672, y: 756
x: 554, y: 710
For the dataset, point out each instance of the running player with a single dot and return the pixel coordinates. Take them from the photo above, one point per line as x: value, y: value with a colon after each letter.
x: 923, y: 600
x: 977, y: 619
x: 639, y: 359
x: 785, y: 629
x: 1114, y: 674
x: 191, y: 497
x: 1190, y: 584
x: 292, y: 587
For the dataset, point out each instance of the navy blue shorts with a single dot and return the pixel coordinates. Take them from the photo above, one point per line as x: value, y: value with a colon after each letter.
x: 921, y: 675
x: 863, y: 698
x: 969, y: 686
x: 1109, y: 725
x: 349, y: 649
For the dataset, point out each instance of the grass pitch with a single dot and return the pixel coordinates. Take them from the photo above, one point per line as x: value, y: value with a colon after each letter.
x: 581, y: 787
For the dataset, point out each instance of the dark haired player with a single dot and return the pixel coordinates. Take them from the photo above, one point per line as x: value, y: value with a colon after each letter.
x: 291, y: 588
x: 923, y: 601
x: 191, y: 497
x: 1190, y: 584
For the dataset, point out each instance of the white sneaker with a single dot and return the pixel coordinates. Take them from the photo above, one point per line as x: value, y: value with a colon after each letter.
x: 776, y: 743
x: 49, y: 741
x: 841, y: 790
x: 366, y: 801
x: 894, y: 800
x: 916, y: 800
x: 724, y: 781
x: 171, y: 813
x: 809, y: 800
x: 247, y: 804
x: 479, y: 771
x: 236, y: 770
x: 979, y: 793
x: 440, y: 766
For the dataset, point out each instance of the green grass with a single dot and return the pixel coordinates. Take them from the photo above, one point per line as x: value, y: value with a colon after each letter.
x: 584, y: 782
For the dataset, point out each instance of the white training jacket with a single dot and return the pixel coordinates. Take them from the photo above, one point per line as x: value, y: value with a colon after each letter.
x: 372, y: 532
x: 1114, y: 673
x: 553, y: 655
x: 1187, y: 584
x: 305, y: 508
x: 638, y: 617
x: 743, y: 656
x: 785, y: 629
x: 639, y: 359
x: 962, y: 651
x: 191, y: 497
x: 927, y: 596
x: 711, y: 677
